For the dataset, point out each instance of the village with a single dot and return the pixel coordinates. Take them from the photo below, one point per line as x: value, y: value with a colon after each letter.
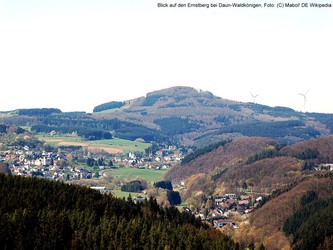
x: 229, y: 210
x: 57, y: 165
x: 223, y: 211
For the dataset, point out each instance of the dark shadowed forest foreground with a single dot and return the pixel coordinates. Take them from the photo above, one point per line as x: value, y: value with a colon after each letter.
x: 40, y: 214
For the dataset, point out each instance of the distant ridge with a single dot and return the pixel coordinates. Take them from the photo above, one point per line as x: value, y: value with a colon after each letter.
x: 184, y: 116
x: 205, y: 118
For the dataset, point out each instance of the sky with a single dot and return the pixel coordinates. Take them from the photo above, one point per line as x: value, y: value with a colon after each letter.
x: 77, y: 54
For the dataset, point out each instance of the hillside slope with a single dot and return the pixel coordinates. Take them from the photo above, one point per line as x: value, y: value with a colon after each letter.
x: 256, y: 163
x: 196, y: 116
x: 264, y: 175
x: 267, y: 222
x: 178, y: 116
x: 323, y: 148
x: 298, y: 213
x: 41, y: 214
x: 223, y: 157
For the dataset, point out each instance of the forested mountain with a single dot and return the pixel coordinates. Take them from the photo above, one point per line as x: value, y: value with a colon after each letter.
x: 84, y: 125
x: 179, y: 115
x: 217, y: 160
x: 199, y: 117
x: 318, y: 150
x: 234, y: 147
x: 40, y: 214
x: 300, y: 216
x: 297, y: 210
x: 260, y: 164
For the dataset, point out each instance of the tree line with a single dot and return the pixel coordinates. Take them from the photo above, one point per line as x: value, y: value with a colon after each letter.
x: 150, y: 100
x: 86, y: 124
x: 276, y: 130
x: 327, y: 119
x: 311, y: 226
x: 174, y: 125
x: 122, y: 129
x: 41, y: 214
x: 87, y: 133
x: 38, y: 111
x: 308, y: 154
x: 202, y: 151
x: 108, y: 105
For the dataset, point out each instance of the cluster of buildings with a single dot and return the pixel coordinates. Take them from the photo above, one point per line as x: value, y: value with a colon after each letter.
x: 49, y: 165
x: 163, y: 159
x: 55, y: 165
x: 223, y: 209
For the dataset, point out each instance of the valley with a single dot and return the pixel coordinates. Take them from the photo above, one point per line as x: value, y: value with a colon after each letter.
x: 234, y: 166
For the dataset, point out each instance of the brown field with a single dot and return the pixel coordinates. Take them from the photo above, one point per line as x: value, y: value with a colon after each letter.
x: 84, y: 144
x: 51, y: 140
x: 108, y: 150
x: 70, y: 143
x: 113, y: 146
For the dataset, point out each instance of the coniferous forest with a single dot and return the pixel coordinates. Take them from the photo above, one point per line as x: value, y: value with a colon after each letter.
x: 41, y: 214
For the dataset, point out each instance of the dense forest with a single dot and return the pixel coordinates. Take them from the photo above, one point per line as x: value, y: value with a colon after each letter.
x: 192, y: 156
x: 87, y: 126
x: 174, y: 125
x: 85, y: 132
x: 311, y: 226
x: 298, y: 216
x: 164, y: 184
x: 38, y: 111
x: 46, y: 120
x: 108, y: 105
x: 277, y: 130
x: 3, y: 128
x: 324, y: 118
x: 123, y: 129
x: 277, y: 111
x: 40, y: 214
x: 13, y: 129
x: 150, y: 100
x: 134, y: 186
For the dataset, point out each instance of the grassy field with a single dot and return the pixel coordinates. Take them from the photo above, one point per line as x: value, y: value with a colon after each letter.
x: 112, y: 146
x: 5, y: 114
x: 125, y: 174
x: 125, y: 145
x: 133, y: 173
x: 122, y: 194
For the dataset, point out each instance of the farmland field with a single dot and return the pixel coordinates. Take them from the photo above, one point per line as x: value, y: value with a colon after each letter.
x: 131, y: 173
x: 122, y: 194
x: 112, y: 146
x: 125, y: 173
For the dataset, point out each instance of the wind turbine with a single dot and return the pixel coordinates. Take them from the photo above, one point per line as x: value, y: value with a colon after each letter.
x: 304, y: 98
x: 254, y: 97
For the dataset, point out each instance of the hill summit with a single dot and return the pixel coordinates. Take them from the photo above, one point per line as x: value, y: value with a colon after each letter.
x: 183, y: 91
x: 199, y: 117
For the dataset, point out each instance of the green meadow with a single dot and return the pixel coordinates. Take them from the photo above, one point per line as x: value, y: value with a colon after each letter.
x: 122, y: 194
x: 132, y: 173
x: 111, y: 146
x: 125, y: 145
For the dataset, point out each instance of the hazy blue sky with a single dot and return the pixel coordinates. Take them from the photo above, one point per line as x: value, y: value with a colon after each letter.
x: 74, y: 55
